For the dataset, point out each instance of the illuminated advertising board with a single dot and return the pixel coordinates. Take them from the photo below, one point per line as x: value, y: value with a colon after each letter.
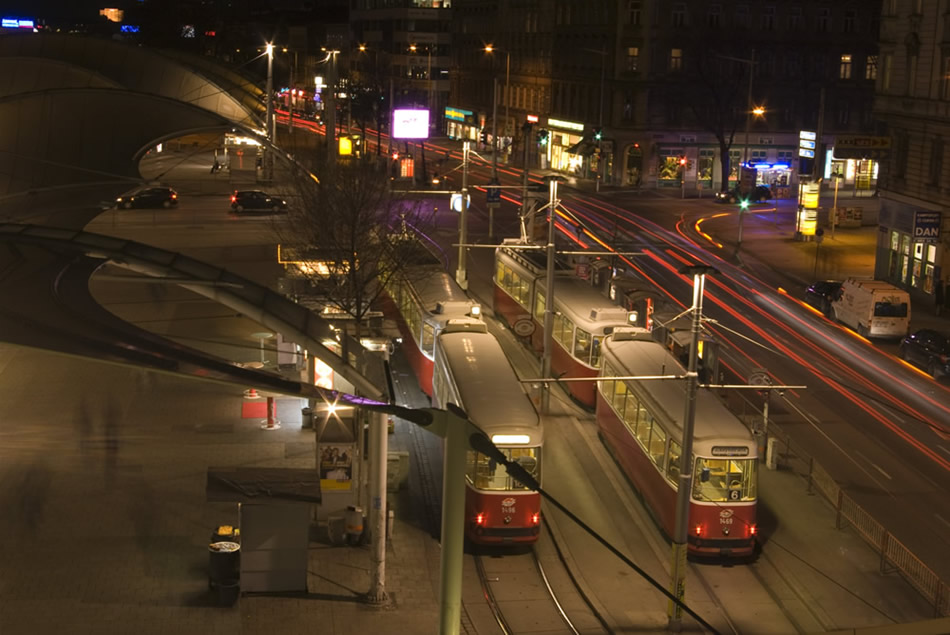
x: 410, y: 124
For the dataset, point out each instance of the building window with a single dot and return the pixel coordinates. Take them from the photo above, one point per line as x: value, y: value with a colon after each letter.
x: 911, y: 75
x: 676, y: 59
x: 679, y: 14
x: 795, y: 20
x: 936, y: 160
x: 633, y: 58
x: 849, y: 21
x: 824, y: 19
x: 845, y: 68
x: 633, y: 12
x: 900, y: 154
x: 886, y: 73
x: 714, y: 16
x: 742, y: 16
x: 844, y: 113
x: 870, y: 70
x: 768, y: 18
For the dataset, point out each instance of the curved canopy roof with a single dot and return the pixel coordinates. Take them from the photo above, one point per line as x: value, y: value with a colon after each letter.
x: 76, y: 110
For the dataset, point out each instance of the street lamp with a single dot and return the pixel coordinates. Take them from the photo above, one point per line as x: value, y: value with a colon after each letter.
x: 600, y: 111
x: 269, y: 127
x: 491, y: 49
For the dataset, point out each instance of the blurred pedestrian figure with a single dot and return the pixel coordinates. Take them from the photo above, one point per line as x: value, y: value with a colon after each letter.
x: 216, y: 166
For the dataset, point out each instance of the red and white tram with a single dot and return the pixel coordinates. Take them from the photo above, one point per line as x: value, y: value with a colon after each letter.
x: 583, y: 316
x: 422, y: 301
x: 472, y: 371
x: 641, y: 422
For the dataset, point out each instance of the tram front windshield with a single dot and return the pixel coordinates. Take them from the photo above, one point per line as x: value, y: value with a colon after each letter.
x: 725, y: 480
x: 487, y: 474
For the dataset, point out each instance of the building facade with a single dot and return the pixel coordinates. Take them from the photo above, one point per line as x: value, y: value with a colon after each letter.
x: 913, y: 100
x: 660, y: 94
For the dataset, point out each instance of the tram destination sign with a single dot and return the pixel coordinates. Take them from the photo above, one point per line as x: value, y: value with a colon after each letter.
x: 730, y: 450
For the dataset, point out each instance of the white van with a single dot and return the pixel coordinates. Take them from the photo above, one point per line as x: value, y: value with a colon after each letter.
x: 873, y: 308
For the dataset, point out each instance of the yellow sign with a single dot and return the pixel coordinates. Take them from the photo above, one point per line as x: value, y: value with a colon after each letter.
x: 346, y: 146
x: 810, y: 193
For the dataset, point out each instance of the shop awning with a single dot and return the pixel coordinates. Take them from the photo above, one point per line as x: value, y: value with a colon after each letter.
x: 584, y: 147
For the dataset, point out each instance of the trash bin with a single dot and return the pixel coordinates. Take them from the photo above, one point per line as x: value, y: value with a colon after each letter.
x: 224, y: 570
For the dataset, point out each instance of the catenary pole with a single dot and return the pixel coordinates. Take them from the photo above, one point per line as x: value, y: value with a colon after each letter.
x: 683, y: 492
x: 549, y: 299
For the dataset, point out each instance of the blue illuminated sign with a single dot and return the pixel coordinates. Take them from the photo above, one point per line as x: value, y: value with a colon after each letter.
x: 129, y: 28
x: 16, y: 23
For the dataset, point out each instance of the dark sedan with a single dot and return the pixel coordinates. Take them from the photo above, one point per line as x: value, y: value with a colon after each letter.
x: 257, y: 201
x: 758, y: 194
x: 927, y: 349
x: 148, y: 197
x: 821, y: 294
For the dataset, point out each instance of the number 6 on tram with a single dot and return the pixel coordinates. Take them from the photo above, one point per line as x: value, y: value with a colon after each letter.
x: 641, y: 423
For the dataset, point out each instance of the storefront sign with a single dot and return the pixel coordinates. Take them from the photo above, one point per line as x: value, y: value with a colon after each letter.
x: 861, y: 147
x: 567, y: 125
x: 926, y: 226
x: 457, y: 114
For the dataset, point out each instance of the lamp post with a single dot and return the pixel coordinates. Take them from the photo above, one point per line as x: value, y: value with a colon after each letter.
x: 600, y: 111
x: 461, y: 276
x: 748, y: 115
x: 685, y: 484
x: 549, y: 299
x: 270, y: 132
x: 492, y: 49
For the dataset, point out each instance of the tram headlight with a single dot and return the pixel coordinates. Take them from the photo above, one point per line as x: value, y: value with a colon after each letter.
x: 476, y: 311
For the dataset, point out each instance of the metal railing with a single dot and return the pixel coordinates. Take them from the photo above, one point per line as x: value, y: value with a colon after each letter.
x: 894, y: 555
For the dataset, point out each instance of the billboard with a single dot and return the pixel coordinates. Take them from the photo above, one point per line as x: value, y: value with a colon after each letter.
x: 410, y: 124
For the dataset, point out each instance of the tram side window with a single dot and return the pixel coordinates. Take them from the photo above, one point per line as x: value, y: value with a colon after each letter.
x: 539, y: 306
x: 521, y: 288
x: 630, y: 411
x: 582, y: 345
x: 658, y: 446
x: 644, y: 423
x: 619, y: 397
x: 564, y: 331
x: 729, y: 480
x: 673, y: 467
x: 428, y: 339
x: 500, y: 274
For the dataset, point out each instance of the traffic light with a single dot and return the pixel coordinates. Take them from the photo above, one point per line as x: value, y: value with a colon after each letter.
x: 543, y: 137
x: 744, y: 203
x: 484, y: 135
x: 598, y: 134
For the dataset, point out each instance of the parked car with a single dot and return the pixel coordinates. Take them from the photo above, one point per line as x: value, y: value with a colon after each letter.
x: 148, y: 197
x: 927, y: 349
x: 821, y: 294
x: 257, y: 201
x: 759, y: 193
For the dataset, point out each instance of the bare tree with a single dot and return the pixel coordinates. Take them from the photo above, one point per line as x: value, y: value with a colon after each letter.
x: 713, y: 88
x: 353, y: 233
